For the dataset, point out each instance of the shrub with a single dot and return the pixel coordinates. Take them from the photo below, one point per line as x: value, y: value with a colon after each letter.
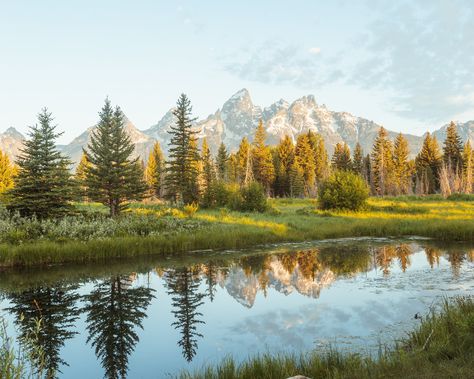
x: 250, y: 198
x: 343, y: 190
x: 218, y: 195
x: 190, y: 209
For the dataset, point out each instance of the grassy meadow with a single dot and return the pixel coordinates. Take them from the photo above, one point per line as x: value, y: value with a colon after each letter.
x: 149, y: 229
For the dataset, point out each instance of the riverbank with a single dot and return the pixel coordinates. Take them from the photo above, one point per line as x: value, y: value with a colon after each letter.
x: 441, y: 347
x: 151, y: 229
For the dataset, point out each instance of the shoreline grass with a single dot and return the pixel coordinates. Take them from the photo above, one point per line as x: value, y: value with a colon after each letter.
x: 441, y: 347
x: 290, y: 220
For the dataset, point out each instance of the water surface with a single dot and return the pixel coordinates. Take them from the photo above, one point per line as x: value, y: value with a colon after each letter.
x: 153, y: 317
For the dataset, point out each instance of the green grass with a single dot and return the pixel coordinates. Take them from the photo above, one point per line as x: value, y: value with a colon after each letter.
x: 156, y: 230
x: 441, y: 347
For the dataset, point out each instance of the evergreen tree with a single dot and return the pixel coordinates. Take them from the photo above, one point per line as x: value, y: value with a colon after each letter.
x: 401, y: 166
x: 43, y: 186
x: 7, y: 173
x: 341, y: 159
x: 321, y: 163
x: 183, y: 154
x: 285, y: 155
x: 468, y: 167
x: 358, y: 160
x: 382, y: 164
x: 428, y: 163
x: 263, y: 170
x: 244, y: 163
x: 56, y: 308
x: 113, y: 177
x: 452, y: 148
x: 367, y: 169
x: 155, y: 170
x: 183, y: 287
x: 114, y: 311
x: 304, y: 158
x: 80, y: 176
x: 296, y: 180
x: 221, y: 162
x: 208, y: 173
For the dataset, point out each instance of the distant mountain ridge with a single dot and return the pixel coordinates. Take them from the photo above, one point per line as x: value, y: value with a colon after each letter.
x: 239, y: 116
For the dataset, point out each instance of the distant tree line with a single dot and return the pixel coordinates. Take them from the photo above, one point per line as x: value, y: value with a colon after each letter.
x: 40, y: 183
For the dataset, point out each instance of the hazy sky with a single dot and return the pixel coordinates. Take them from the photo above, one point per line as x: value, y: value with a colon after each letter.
x: 406, y: 64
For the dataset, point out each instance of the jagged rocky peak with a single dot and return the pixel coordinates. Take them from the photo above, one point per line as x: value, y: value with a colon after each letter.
x: 12, y: 132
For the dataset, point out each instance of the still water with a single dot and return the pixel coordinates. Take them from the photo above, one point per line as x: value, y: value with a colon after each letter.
x: 153, y: 317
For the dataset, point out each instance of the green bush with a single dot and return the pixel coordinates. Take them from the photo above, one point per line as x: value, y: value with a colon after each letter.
x: 250, y: 198
x: 343, y: 190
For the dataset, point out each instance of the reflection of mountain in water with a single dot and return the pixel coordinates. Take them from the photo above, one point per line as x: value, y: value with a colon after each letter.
x: 244, y: 287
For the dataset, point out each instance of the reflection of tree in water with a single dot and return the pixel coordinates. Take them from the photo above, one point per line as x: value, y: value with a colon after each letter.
x: 456, y: 258
x: 211, y: 271
x: 183, y: 285
x: 403, y: 253
x: 56, y: 308
x: 115, y: 310
x: 432, y: 255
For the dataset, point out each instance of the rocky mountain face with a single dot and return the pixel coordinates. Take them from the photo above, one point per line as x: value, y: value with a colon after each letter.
x: 239, y: 116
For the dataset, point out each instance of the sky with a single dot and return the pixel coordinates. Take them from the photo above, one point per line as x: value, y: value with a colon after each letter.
x: 406, y: 64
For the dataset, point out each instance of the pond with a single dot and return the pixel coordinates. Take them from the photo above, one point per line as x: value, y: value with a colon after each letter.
x: 152, y: 317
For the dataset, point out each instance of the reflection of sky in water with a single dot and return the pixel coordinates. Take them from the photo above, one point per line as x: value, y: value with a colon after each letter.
x: 351, y: 312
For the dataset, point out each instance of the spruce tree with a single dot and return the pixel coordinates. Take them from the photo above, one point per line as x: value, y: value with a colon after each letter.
x: 305, y: 160
x: 113, y: 177
x: 244, y: 159
x: 155, y: 170
x: 358, y: 160
x: 341, y: 159
x: 468, y: 167
x: 7, y: 173
x: 208, y: 174
x: 296, y: 180
x: 286, y: 154
x: 452, y: 148
x: 182, y: 172
x: 221, y: 162
x: 401, y: 167
x: 428, y: 163
x: 321, y: 163
x: 263, y: 170
x: 43, y: 186
x: 382, y: 164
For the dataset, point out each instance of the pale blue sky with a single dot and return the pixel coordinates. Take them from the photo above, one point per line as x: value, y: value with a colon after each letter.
x: 406, y: 64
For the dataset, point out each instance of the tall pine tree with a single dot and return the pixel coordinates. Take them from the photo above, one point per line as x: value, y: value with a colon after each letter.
x: 428, y: 163
x: 113, y: 177
x: 305, y: 161
x: 221, y: 162
x: 452, y: 148
x: 8, y: 172
x: 43, y: 186
x: 155, y: 170
x: 468, y: 167
x: 263, y: 170
x: 382, y: 164
x: 321, y: 164
x: 358, y: 160
x: 182, y: 172
x: 341, y: 159
x: 401, y: 165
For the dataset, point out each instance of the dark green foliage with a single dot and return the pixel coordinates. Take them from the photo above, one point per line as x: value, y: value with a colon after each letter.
x: 251, y: 198
x: 183, y: 286
x: 113, y: 178
x: 358, y: 160
x: 56, y: 310
x: 341, y: 159
x: 221, y: 162
x: 43, y: 186
x: 343, y: 190
x: 114, y: 310
x: 182, y: 171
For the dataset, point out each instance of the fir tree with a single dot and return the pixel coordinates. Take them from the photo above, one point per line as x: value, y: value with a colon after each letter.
x: 358, y: 160
x: 452, y: 148
x: 382, y: 164
x: 428, y: 163
x: 7, y: 173
x: 305, y: 160
x: 341, y: 159
x: 468, y: 167
x: 182, y: 172
x: 208, y: 173
x: 320, y: 154
x: 114, y: 311
x: 113, y: 178
x: 244, y: 160
x: 296, y: 180
x: 221, y: 162
x: 43, y: 186
x: 285, y: 155
x: 263, y: 170
x: 155, y: 170
x: 401, y: 166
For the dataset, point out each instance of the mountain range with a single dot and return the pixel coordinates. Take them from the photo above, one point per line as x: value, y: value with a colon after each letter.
x: 239, y: 116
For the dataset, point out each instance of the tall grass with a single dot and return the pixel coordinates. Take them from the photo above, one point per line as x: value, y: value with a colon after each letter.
x: 441, y: 347
x: 155, y: 229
